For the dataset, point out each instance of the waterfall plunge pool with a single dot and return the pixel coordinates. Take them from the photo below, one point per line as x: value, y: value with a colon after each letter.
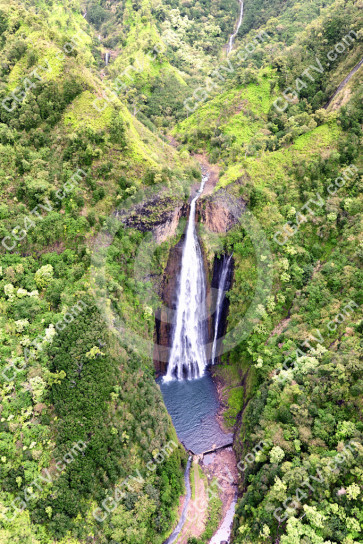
x: 193, y: 407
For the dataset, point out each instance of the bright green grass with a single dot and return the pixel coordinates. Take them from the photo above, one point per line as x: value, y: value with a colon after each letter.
x: 323, y: 136
x: 226, y: 108
x: 259, y: 96
x: 235, y: 405
x: 231, y: 174
x: 82, y: 113
x: 229, y: 374
x: 241, y: 127
x: 272, y: 166
x: 214, y: 516
x: 53, y: 67
x: 192, y: 481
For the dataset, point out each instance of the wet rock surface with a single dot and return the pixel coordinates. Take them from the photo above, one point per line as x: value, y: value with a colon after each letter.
x: 164, y: 315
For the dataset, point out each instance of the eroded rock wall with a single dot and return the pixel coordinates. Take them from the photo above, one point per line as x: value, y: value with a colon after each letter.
x: 164, y: 316
x: 219, y: 212
x: 159, y: 215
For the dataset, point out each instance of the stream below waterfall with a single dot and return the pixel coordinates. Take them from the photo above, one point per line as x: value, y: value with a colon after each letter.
x: 178, y: 528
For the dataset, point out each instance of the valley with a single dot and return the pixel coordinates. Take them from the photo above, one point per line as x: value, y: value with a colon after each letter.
x: 180, y: 275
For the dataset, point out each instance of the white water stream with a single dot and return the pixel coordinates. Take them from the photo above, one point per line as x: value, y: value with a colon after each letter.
x: 188, y: 357
x: 174, y: 535
x: 232, y: 36
x: 224, y: 532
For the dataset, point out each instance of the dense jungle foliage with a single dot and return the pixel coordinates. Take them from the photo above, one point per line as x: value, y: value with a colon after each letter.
x: 79, y: 138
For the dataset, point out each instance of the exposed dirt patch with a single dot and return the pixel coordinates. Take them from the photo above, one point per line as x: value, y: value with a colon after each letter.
x: 221, y: 474
x: 172, y: 141
x: 222, y: 466
x: 279, y: 328
x: 212, y: 169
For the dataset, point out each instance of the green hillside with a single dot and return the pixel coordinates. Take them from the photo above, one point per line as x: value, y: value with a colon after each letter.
x: 64, y: 167
x: 78, y: 139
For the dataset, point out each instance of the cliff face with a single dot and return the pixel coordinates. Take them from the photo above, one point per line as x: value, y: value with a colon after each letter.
x: 167, y: 229
x: 218, y: 265
x: 159, y: 215
x: 164, y: 316
x: 219, y: 212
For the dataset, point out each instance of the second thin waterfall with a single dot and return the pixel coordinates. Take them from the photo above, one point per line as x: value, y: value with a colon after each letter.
x: 187, y: 356
x: 222, y: 288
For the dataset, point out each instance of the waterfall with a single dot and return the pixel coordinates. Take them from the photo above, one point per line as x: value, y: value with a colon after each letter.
x: 187, y: 356
x: 107, y: 57
x: 222, y: 288
x: 232, y: 37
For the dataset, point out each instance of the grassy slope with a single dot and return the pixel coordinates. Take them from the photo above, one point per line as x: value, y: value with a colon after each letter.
x: 185, y: 40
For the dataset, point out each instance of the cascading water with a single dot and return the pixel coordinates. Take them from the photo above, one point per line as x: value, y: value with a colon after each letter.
x: 232, y: 37
x: 222, y: 288
x: 187, y: 356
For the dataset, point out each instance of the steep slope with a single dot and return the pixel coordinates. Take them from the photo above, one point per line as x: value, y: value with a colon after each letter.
x: 79, y: 414
x: 159, y: 52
